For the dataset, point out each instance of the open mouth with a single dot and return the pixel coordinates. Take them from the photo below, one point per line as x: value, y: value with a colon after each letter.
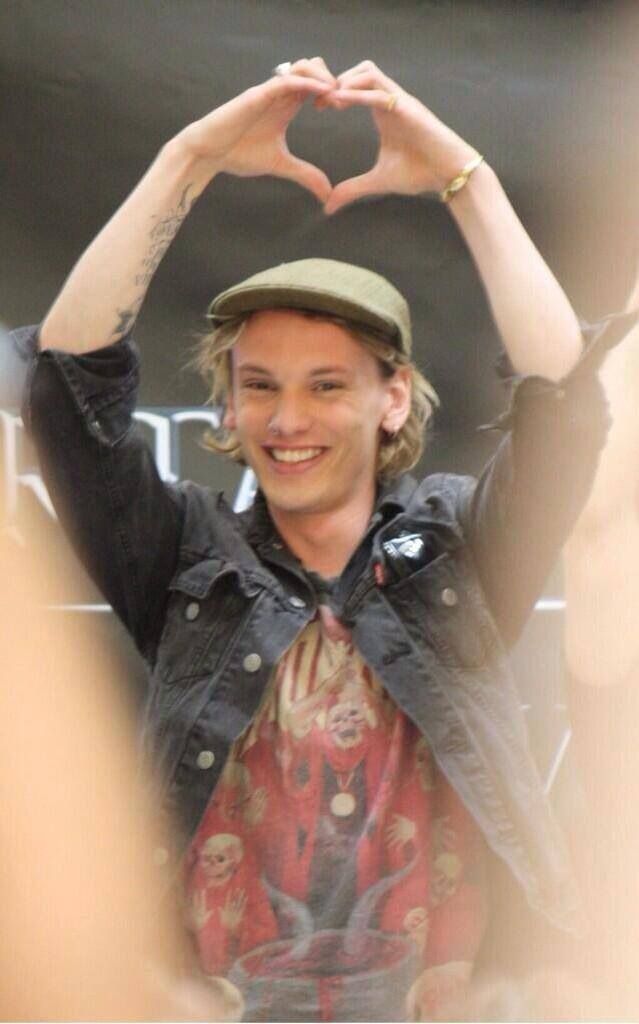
x: 294, y: 454
x: 291, y: 459
x: 348, y: 734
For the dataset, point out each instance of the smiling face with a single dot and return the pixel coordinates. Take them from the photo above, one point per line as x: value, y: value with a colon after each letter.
x: 308, y: 405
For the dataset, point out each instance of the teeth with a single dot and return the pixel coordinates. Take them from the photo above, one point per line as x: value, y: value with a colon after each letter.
x: 294, y: 454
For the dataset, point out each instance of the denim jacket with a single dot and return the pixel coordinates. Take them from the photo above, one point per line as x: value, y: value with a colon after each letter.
x: 213, y: 598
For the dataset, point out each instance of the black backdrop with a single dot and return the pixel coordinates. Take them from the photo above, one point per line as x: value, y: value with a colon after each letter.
x: 548, y: 91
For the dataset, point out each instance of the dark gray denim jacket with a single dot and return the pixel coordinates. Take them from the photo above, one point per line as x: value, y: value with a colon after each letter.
x: 213, y: 598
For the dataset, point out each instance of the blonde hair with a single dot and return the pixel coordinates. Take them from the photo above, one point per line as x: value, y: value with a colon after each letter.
x: 397, y: 452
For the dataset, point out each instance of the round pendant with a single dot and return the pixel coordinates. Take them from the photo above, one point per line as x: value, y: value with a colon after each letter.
x: 342, y: 805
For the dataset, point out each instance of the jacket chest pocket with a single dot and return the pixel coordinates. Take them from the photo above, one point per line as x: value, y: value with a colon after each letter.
x: 207, y: 607
x: 442, y: 604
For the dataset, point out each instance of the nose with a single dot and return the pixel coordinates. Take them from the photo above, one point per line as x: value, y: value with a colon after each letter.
x: 290, y: 415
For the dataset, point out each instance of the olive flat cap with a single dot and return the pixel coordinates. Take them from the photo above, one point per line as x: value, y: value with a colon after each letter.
x: 322, y: 286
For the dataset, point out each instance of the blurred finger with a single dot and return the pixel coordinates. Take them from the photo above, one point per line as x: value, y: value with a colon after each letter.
x: 320, y: 64
x: 366, y: 72
x: 362, y: 65
x: 360, y: 80
x: 378, y: 99
x: 285, y: 85
x: 312, y: 68
x: 349, y: 191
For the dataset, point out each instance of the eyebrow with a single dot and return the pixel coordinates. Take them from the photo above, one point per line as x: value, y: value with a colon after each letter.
x: 252, y: 368
x: 319, y: 371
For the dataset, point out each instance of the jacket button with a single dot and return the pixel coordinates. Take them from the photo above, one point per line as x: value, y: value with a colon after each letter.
x: 449, y: 597
x: 296, y: 601
x: 205, y: 759
x: 252, y: 662
x: 192, y: 611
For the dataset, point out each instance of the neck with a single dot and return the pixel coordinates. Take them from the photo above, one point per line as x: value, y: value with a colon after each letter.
x: 324, y: 541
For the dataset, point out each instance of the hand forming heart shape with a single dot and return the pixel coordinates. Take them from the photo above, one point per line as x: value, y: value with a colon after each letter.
x: 247, y: 136
x: 417, y: 152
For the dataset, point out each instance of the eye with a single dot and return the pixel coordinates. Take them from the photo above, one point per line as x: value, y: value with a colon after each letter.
x: 257, y: 385
x: 327, y: 385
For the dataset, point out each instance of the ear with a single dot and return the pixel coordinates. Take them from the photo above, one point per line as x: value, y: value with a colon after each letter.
x: 398, y: 399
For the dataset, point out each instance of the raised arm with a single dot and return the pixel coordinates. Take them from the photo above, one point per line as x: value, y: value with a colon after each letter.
x: 123, y: 521
x: 420, y: 154
x: 101, y: 298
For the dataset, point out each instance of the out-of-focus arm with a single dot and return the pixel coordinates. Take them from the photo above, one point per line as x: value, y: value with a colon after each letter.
x: 601, y: 557
x: 532, y: 492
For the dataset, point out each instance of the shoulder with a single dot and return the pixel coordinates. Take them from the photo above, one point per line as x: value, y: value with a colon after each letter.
x: 210, y: 525
x: 444, y: 495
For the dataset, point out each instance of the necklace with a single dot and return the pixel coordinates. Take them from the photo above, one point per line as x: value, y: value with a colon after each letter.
x: 343, y: 803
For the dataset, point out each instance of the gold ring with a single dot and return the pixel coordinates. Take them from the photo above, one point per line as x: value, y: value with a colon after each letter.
x: 391, y: 102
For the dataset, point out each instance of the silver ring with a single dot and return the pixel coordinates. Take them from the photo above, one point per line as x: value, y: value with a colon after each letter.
x: 283, y: 69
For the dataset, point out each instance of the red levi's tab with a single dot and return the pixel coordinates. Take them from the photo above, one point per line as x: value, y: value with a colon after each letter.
x: 380, y: 574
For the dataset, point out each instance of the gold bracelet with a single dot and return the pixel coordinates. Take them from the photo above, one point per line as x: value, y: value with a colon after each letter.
x: 458, y: 182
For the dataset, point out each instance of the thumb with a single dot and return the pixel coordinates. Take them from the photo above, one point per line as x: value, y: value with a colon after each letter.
x: 348, y: 191
x: 307, y: 175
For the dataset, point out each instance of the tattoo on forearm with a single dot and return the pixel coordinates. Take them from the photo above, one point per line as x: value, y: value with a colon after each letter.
x: 126, y: 319
x: 161, y: 236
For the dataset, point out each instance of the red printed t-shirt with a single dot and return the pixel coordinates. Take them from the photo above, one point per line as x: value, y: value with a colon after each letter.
x: 331, y: 825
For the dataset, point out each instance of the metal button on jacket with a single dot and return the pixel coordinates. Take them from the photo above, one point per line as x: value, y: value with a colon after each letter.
x: 252, y: 662
x: 192, y: 611
x: 205, y: 759
x: 296, y: 601
x: 449, y: 597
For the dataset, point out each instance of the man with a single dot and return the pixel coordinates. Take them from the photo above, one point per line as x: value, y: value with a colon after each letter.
x: 330, y: 703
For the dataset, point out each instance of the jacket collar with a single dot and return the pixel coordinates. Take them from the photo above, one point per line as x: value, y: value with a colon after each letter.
x: 392, y: 498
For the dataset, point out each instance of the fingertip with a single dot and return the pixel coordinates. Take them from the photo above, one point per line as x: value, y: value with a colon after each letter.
x: 321, y: 188
x: 331, y: 206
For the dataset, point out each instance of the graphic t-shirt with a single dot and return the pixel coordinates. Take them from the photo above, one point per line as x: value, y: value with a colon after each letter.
x: 335, y: 874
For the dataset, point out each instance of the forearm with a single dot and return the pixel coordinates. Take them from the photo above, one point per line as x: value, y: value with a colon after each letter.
x: 535, y: 319
x: 102, y: 296
x: 530, y: 495
x: 246, y: 136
